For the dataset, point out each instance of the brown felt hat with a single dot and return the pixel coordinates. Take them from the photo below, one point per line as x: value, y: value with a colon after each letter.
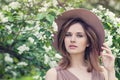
x: 87, y: 16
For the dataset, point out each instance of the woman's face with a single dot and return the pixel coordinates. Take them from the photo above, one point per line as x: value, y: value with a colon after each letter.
x: 76, y: 39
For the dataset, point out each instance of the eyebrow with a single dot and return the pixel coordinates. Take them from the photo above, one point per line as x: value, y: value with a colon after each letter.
x: 77, y: 32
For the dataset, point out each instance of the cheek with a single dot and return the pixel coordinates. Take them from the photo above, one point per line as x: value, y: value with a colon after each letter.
x: 66, y: 41
x: 83, y: 42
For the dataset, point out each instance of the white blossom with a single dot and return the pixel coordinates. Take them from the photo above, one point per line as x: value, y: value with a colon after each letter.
x: 95, y: 10
x: 31, y: 39
x: 118, y: 20
x: 58, y: 56
x: 98, y: 12
x: 55, y: 3
x: 35, y: 43
x: 53, y: 63
x: 14, y: 73
x: 22, y: 48
x: 118, y: 31
x: 109, y: 42
x: 40, y: 35
x: 37, y: 27
x: 28, y: 28
x: 3, y: 18
x: 107, y: 32
x: 41, y: 78
x: 55, y: 27
x: 36, y: 77
x: 37, y: 34
x: 8, y: 27
x: 8, y: 68
x: 29, y: 0
x: 1, y: 15
x: 101, y: 7
x: 46, y: 4
x: 43, y: 9
x: 111, y: 15
x: 14, y: 5
x: 22, y: 64
x: 52, y: 35
x: 69, y: 8
x: 109, y: 37
x: 116, y: 51
x: 8, y: 58
x: 47, y: 49
x: 21, y: 15
x: 6, y: 8
x: 46, y: 59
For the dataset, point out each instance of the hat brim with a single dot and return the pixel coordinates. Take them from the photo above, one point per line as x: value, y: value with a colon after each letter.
x: 88, y: 17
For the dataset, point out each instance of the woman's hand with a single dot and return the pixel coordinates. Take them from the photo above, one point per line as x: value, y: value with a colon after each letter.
x: 108, y: 58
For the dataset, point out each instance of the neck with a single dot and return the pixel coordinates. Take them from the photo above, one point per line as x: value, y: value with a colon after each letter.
x: 77, y: 61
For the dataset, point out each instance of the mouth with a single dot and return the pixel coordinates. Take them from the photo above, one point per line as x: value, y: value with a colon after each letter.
x: 72, y: 46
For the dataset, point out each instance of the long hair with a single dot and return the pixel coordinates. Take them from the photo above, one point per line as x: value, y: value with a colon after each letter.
x: 91, y: 53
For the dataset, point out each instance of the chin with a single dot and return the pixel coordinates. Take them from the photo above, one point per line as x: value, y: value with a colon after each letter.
x: 73, y: 52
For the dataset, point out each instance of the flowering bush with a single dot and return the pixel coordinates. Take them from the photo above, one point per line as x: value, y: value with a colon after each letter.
x: 112, y: 33
x: 26, y: 31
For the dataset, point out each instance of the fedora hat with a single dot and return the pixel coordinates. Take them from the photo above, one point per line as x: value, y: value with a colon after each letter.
x: 87, y: 16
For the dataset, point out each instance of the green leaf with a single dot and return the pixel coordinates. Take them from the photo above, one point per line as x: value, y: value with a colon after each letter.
x: 41, y: 16
x: 110, y: 25
x: 11, y: 19
x: 50, y: 18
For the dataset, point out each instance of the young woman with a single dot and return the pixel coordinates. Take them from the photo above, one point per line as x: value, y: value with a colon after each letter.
x: 80, y: 40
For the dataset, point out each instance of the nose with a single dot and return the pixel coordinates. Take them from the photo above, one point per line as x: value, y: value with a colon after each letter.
x: 73, y: 39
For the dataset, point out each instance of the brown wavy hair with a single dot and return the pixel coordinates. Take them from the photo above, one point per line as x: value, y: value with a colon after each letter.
x: 91, y: 53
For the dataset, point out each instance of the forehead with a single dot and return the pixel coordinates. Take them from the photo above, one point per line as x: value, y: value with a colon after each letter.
x: 77, y: 27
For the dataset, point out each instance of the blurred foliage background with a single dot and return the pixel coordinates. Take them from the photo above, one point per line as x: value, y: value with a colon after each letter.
x: 26, y: 31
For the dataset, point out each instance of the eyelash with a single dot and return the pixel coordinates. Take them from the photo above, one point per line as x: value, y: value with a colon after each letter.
x: 68, y: 35
x: 80, y: 35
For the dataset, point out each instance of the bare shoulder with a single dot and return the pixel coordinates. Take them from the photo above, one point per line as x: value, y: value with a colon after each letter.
x: 51, y: 74
x: 104, y: 72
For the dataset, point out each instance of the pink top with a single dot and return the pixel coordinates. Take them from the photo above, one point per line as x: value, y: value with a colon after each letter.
x: 63, y: 74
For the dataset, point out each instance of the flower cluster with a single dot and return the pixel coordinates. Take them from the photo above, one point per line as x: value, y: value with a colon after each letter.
x: 3, y: 19
x: 23, y: 48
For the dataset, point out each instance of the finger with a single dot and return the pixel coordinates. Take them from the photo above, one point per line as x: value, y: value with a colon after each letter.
x: 105, y: 45
x: 107, y: 55
x: 107, y: 50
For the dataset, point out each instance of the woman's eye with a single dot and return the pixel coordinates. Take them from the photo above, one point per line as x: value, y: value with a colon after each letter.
x: 79, y: 35
x: 67, y: 35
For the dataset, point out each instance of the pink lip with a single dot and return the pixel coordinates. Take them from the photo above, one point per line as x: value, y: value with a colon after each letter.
x: 72, y: 46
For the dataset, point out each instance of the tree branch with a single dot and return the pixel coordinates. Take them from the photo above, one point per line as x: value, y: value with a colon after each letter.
x: 11, y: 52
x: 62, y: 4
